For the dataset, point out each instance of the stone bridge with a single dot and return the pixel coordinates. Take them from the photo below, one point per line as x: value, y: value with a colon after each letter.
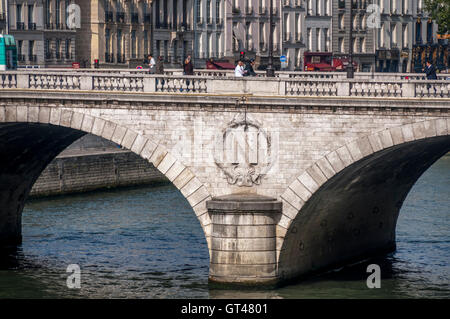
x: 287, y: 176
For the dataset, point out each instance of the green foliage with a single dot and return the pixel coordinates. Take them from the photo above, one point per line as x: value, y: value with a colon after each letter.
x: 440, y: 12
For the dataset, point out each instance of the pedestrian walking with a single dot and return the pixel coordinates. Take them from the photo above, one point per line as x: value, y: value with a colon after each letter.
x: 151, y: 64
x: 239, y: 70
x: 188, y: 66
x: 188, y: 69
x: 430, y: 71
x: 248, y: 70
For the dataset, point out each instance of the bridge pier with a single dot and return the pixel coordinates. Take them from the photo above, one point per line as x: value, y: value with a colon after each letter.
x: 243, y: 243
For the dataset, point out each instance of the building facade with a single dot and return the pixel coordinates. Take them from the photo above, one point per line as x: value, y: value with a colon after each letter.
x: 384, y: 45
x: 294, y: 32
x: 247, y: 29
x: 42, y: 34
x: 117, y: 33
x: 3, y: 24
x: 317, y: 26
x: 188, y: 27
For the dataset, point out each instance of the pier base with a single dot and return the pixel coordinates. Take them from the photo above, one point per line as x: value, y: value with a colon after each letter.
x: 243, y: 243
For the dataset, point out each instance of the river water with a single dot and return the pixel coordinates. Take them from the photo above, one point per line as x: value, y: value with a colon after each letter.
x: 146, y: 243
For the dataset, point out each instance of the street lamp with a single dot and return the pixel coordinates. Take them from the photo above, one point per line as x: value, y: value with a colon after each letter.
x: 350, y: 70
x: 270, y: 72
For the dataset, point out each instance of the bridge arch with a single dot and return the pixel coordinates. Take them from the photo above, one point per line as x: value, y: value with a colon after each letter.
x: 345, y: 206
x: 32, y: 136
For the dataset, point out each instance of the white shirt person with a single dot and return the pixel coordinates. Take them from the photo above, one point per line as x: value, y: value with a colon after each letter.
x: 151, y: 65
x: 239, y: 70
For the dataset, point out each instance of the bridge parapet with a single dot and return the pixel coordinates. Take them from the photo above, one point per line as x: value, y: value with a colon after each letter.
x: 180, y: 84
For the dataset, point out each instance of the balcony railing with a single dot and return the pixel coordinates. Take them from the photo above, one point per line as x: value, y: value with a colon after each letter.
x: 21, y: 57
x: 49, y: 26
x: 248, y: 10
x: 32, y: 58
x: 48, y: 55
x: 2, y: 16
x: 236, y: 11
x: 20, y: 26
x: 31, y: 26
x: 68, y: 56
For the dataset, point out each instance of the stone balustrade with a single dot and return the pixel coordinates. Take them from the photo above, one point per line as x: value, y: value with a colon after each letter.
x: 279, y: 86
x: 282, y: 74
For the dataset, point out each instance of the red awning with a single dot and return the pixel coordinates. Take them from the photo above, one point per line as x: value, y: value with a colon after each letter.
x: 220, y: 65
x: 322, y: 66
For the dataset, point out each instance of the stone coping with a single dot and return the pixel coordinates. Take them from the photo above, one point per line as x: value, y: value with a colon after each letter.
x: 243, y: 203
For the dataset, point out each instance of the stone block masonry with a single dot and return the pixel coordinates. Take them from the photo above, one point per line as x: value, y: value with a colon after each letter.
x: 88, y: 170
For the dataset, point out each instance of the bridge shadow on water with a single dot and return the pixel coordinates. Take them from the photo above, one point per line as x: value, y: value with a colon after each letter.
x: 145, y: 242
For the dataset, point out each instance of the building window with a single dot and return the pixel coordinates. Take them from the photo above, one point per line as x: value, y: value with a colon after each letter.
x: 145, y: 42
x: 199, y: 11
x: 67, y: 49
x: 218, y: 10
x: 341, y: 21
x: 327, y: 39
x: 309, y: 32
x: 318, y: 40
x: 341, y: 44
x: 19, y: 17
x: 30, y: 14
x: 107, y: 45
x: 405, y: 36
x: 208, y: 11
x: 57, y: 13
x: 429, y: 32
x: 58, y: 49
x: 47, y: 13
x: 30, y: 50
x: 133, y: 44
x: 119, y: 45
x: 48, y: 53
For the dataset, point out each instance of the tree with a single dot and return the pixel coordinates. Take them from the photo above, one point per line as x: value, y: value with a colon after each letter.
x: 440, y: 12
